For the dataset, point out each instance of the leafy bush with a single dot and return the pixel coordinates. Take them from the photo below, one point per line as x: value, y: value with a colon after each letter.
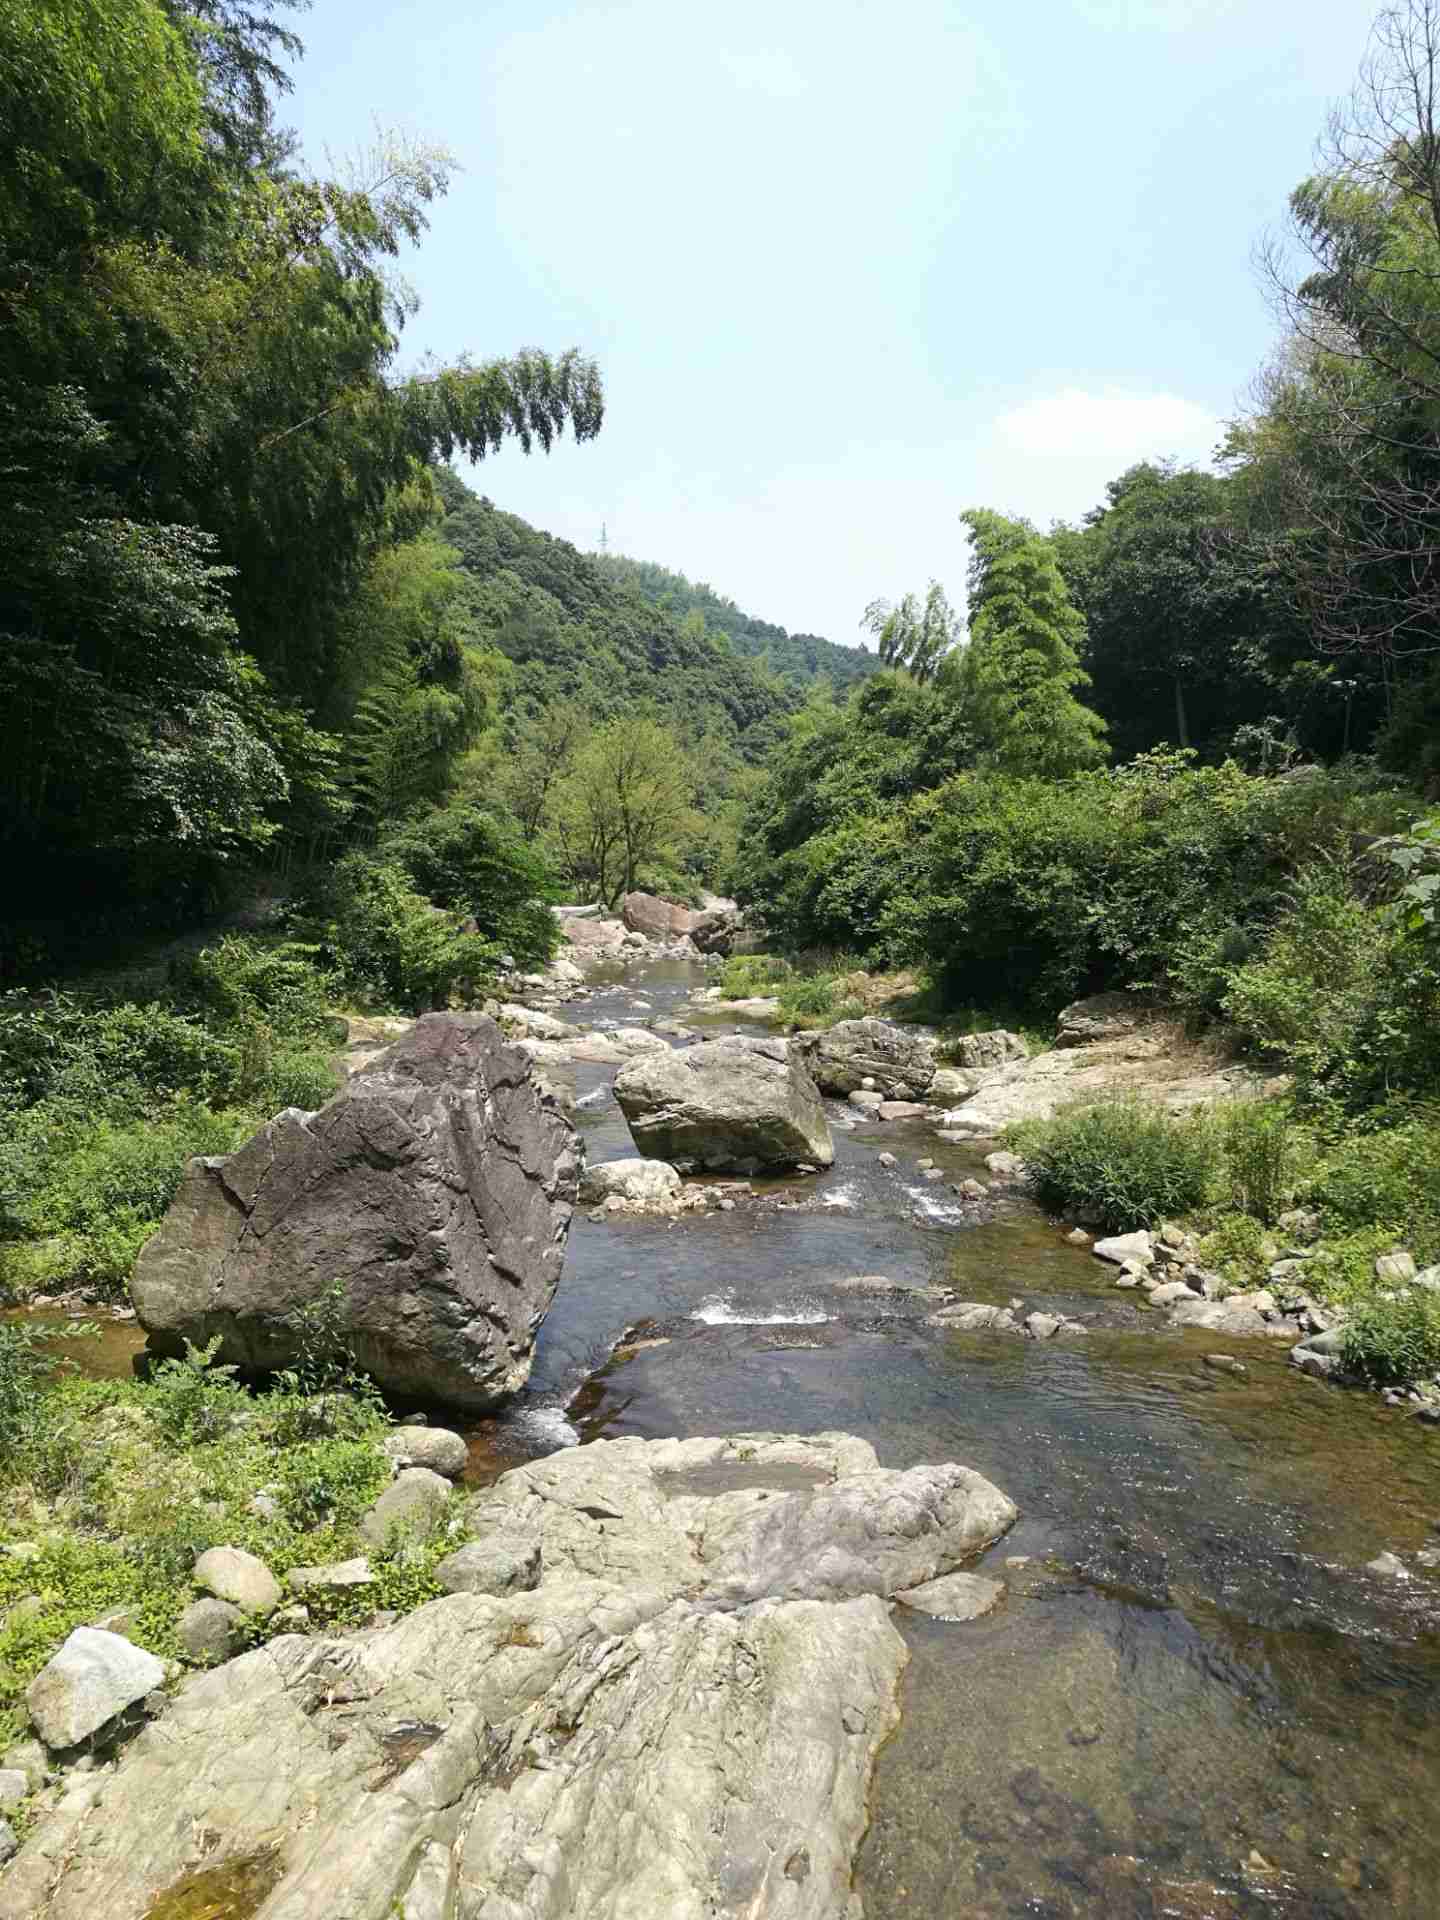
x: 391, y: 947
x: 1260, y: 1154
x: 242, y: 982
x: 1388, y: 1178
x: 108, y: 1059
x: 746, y: 975
x: 1394, y: 1342
x: 1342, y: 993
x: 1123, y: 1164
x: 462, y: 858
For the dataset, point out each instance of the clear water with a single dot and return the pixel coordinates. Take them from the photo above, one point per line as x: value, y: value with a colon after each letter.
x: 1194, y: 1701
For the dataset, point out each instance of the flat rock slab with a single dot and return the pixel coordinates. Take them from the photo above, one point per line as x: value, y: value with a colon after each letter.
x: 955, y: 1596
x: 688, y: 1732
x: 435, y: 1190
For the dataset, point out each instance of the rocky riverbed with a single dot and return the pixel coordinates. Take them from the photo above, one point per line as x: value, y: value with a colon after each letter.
x: 1190, y: 1688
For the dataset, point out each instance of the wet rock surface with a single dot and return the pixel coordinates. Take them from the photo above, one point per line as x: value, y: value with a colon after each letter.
x: 435, y: 1189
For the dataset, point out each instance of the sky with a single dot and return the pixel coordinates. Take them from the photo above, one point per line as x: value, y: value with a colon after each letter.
x: 848, y: 267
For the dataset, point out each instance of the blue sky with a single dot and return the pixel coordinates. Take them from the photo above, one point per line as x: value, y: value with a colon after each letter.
x: 849, y: 268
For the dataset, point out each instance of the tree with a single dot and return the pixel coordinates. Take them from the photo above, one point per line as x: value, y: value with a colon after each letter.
x: 623, y: 805
x: 1175, y: 599
x: 1018, y: 675
x: 918, y: 636
x: 1345, y: 457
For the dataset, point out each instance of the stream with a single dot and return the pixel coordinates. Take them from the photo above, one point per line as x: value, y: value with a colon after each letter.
x: 1194, y: 1700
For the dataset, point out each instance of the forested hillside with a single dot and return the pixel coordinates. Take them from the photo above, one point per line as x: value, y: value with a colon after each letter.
x: 573, y: 627
x: 797, y: 657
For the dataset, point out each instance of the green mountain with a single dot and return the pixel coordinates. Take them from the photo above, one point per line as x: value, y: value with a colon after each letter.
x: 577, y: 626
x: 796, y: 657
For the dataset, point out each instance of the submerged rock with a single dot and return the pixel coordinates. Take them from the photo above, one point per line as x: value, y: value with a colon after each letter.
x: 681, y: 1719
x: 954, y: 1596
x: 726, y: 1105
x: 435, y: 1190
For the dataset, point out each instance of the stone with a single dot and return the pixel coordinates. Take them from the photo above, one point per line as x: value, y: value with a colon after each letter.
x: 229, y: 1573
x: 500, y: 1563
x: 1043, y: 1326
x: 1120, y: 1247
x: 950, y: 1084
x: 954, y: 1596
x: 716, y: 929
x: 337, y: 1577
x: 211, y: 1630
x: 593, y: 936
x: 435, y: 1189
x: 1103, y: 1017
x: 1226, y: 1363
x: 29, y: 1759
x: 647, y: 1184
x: 411, y: 1507
x: 14, y: 1787
x: 900, y: 1110
x: 528, y: 1023
x: 1330, y: 1340
x: 1320, y: 1365
x: 292, y: 1619
x: 9, y: 1845
x: 1395, y: 1269
x: 1301, y: 1224
x: 1389, y: 1566
x: 93, y: 1678
x: 843, y: 1058
x: 984, y: 1051
x: 1127, y: 1279
x: 1429, y: 1279
x: 1005, y: 1166
x: 1169, y: 1293
x: 973, y: 1316
x: 1220, y: 1316
x: 885, y: 1159
x: 1078, y: 1237
x: 733, y: 1104
x: 658, y: 919
x: 434, y: 1447
x: 682, y: 1718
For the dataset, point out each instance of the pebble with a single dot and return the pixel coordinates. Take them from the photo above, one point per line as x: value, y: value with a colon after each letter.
x: 886, y: 1159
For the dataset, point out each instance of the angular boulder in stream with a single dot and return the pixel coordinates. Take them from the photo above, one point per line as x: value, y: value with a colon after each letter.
x: 435, y: 1190
x: 680, y: 1720
x: 732, y: 1105
x: 853, y: 1053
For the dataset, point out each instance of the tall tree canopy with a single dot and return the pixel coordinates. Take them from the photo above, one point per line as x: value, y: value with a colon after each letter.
x: 206, y: 442
x: 1020, y: 672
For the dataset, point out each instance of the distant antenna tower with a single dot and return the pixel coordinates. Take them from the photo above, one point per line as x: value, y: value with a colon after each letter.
x: 604, y: 538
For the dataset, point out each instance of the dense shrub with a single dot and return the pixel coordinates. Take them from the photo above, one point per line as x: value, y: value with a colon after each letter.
x: 1122, y: 1164
x: 1388, y: 1178
x: 1394, y: 1341
x: 1260, y: 1155
x: 1343, y: 993
x: 462, y: 858
x: 390, y: 946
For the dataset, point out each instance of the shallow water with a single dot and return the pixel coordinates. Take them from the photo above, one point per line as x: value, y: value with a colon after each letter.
x: 1193, y: 1700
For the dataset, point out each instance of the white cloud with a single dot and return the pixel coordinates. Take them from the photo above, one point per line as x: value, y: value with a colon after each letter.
x: 1109, y: 423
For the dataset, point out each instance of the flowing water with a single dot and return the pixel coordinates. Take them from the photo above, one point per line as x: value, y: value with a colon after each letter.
x: 1194, y: 1700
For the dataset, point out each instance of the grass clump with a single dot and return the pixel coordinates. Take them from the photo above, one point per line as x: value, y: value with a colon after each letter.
x: 1394, y: 1340
x: 1123, y: 1164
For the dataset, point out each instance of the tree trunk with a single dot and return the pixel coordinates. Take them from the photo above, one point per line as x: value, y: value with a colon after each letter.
x: 1182, y: 725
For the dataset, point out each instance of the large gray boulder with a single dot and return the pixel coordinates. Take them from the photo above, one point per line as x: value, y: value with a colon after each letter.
x: 436, y: 1189
x: 661, y: 1727
x: 734, y: 1105
x: 843, y: 1057
x: 93, y: 1678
